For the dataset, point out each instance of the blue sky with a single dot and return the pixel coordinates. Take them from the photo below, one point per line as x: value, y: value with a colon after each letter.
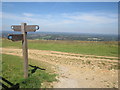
x: 80, y: 17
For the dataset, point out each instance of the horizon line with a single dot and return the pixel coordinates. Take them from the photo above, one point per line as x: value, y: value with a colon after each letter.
x: 63, y: 32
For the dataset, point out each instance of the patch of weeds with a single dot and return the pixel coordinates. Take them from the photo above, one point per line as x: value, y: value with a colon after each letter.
x: 81, y: 56
x: 88, y: 62
x: 83, y: 62
x: 115, y: 67
x: 103, y: 63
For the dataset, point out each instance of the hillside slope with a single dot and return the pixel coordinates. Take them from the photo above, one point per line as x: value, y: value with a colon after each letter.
x: 76, y: 70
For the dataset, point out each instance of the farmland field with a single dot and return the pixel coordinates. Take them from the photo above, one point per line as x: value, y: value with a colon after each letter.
x: 80, y: 47
x: 78, y: 64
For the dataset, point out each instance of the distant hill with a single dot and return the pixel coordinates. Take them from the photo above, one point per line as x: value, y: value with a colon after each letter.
x: 66, y: 36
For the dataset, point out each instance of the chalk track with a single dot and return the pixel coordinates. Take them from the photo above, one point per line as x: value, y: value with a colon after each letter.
x: 76, y: 70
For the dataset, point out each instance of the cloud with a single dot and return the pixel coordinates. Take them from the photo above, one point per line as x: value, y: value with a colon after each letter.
x: 28, y: 14
x: 9, y: 16
x: 0, y: 15
x: 66, y: 21
x: 68, y: 18
x: 95, y: 18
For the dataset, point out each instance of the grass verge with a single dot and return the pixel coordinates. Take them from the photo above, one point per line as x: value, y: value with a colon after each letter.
x: 12, y: 70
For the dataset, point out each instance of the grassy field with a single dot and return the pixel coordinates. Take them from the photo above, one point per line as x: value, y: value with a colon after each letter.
x: 13, y: 65
x: 80, y: 47
x: 12, y: 70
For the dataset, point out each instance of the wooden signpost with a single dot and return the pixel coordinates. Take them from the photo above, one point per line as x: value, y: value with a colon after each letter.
x: 15, y: 37
x: 24, y: 28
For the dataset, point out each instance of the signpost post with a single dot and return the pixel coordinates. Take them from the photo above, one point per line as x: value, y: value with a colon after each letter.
x: 25, y: 49
x: 24, y: 28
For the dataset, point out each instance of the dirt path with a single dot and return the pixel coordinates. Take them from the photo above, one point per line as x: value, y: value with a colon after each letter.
x: 76, y: 70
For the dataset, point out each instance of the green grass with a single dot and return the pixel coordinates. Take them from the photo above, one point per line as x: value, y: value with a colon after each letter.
x: 80, y: 47
x: 12, y: 70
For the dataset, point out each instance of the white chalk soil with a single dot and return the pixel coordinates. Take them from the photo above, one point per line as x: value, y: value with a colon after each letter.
x: 76, y: 70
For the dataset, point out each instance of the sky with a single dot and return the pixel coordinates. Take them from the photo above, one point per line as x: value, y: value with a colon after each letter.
x: 76, y: 17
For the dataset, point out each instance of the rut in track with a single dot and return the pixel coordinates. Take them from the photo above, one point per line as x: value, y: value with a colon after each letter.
x: 76, y: 70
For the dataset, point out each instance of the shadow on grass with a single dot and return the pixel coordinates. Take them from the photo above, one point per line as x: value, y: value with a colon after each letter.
x: 4, y: 87
x: 34, y: 69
